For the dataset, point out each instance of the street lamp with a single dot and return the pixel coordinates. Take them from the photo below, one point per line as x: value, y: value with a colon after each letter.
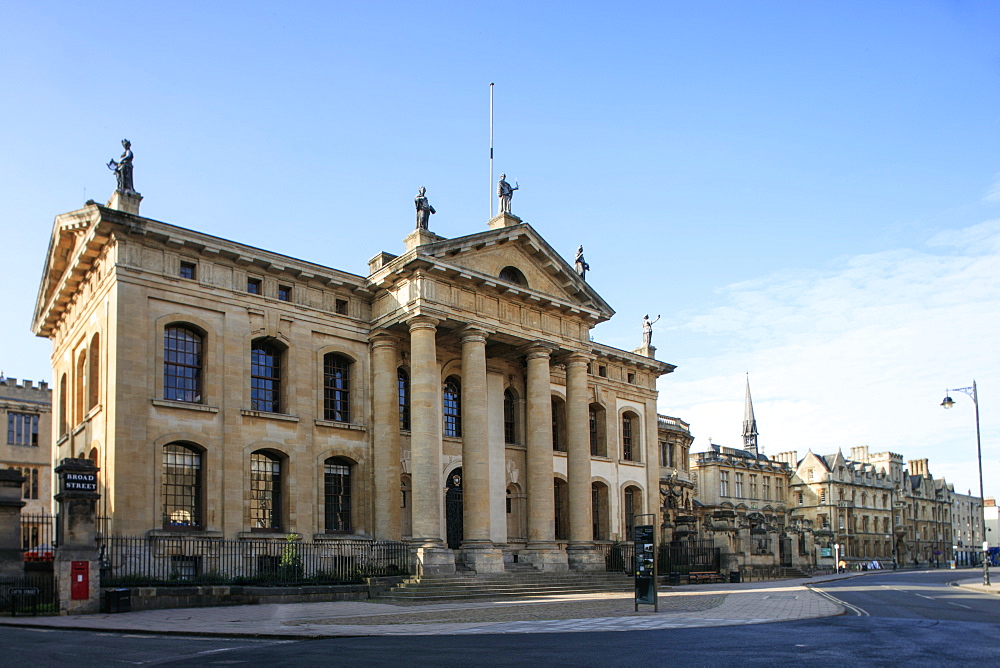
x: 948, y: 403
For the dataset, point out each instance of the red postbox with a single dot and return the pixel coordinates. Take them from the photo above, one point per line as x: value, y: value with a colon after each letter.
x: 79, y: 573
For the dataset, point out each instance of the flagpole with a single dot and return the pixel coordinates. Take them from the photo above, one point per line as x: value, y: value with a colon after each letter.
x: 491, y: 151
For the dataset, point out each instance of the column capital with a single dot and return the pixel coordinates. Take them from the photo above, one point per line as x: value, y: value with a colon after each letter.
x: 539, y: 349
x: 473, y: 334
x: 576, y: 358
x: 422, y: 322
x: 383, y: 338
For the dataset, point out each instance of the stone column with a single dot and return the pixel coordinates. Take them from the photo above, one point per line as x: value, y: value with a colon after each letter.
x: 580, y: 553
x: 651, y: 455
x: 11, y: 556
x: 541, y: 550
x: 77, y: 531
x: 385, y: 436
x: 478, y: 551
x: 425, y: 449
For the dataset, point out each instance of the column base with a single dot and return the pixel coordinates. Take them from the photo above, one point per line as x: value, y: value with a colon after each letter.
x: 482, y: 557
x: 433, y: 559
x: 545, y: 557
x: 584, y: 558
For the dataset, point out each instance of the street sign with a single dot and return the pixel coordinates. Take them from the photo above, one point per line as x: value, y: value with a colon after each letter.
x: 645, y: 565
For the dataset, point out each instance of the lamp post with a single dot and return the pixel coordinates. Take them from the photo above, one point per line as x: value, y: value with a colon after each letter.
x: 948, y: 403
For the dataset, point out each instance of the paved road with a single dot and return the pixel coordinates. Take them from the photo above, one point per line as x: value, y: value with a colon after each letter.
x: 832, y: 641
x: 915, y: 595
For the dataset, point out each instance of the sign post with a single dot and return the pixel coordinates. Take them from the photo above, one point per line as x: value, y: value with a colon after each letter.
x: 645, y: 567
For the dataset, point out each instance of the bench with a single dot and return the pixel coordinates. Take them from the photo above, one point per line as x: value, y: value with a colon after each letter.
x: 704, y: 576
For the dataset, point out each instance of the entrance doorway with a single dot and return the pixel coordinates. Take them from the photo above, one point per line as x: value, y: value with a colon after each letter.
x: 453, y: 511
x: 785, y: 549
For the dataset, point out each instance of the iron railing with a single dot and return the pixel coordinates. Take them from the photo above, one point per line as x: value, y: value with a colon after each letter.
x: 38, y: 536
x: 618, y: 557
x: 187, y: 560
x: 689, y: 556
x: 29, y: 594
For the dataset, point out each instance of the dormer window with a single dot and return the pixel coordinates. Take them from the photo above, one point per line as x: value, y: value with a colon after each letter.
x: 513, y: 275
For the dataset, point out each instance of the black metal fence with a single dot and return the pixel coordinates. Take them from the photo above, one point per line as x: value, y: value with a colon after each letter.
x: 689, y: 556
x: 618, y: 557
x: 29, y: 594
x: 184, y: 560
x: 38, y: 537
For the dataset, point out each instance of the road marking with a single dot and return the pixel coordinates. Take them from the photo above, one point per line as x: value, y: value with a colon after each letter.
x: 929, y: 598
x: 860, y: 612
x: 959, y: 605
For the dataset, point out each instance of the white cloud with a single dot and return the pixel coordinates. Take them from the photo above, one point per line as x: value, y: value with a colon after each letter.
x: 993, y: 194
x: 857, y: 354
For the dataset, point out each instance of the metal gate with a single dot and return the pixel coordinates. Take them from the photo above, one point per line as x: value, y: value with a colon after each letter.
x: 33, y: 593
x: 454, y: 512
x: 785, y: 548
x: 688, y: 556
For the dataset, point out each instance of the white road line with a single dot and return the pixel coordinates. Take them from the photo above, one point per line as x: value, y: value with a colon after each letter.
x: 860, y: 612
x: 960, y: 605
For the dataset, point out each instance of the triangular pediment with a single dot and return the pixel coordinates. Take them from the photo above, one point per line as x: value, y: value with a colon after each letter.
x: 540, y: 270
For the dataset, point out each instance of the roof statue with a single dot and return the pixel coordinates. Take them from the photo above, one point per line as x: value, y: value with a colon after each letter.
x: 505, y: 192
x: 647, y: 330
x: 580, y: 264
x: 123, y: 168
x: 749, y: 424
x: 424, y: 209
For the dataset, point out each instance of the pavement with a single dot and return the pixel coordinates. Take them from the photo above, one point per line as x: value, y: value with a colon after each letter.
x: 684, y: 606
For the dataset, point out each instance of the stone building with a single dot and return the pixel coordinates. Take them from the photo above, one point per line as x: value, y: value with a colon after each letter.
x: 451, y: 397
x: 849, y: 502
x: 677, y: 489
x: 741, y: 504
x: 927, y: 515
x: 967, y: 528
x: 26, y: 411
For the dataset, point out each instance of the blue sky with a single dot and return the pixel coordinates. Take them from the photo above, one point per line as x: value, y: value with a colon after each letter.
x: 807, y: 192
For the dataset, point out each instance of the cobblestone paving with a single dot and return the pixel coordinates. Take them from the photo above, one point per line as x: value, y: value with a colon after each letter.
x: 619, y: 606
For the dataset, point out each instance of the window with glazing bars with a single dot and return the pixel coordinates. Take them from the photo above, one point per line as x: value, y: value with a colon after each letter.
x: 265, y: 377
x: 22, y: 429
x: 452, y: 408
x: 403, y: 384
x: 181, y: 365
x: 627, y: 437
x: 337, y: 494
x: 181, y: 487
x: 509, y: 423
x: 336, y: 388
x: 265, y: 492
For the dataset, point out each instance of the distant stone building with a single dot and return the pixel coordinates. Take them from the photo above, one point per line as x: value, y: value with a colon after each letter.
x: 967, y: 528
x: 741, y: 504
x: 928, y: 516
x: 677, y: 489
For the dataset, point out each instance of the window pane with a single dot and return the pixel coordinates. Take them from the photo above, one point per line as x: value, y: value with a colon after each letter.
x: 265, y: 492
x: 337, y: 495
x: 452, y: 408
x: 181, y: 365
x: 404, y: 399
x: 336, y: 388
x: 265, y: 378
x: 181, y: 486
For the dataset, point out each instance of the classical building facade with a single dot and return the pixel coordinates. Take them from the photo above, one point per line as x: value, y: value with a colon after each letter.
x: 452, y: 397
x: 967, y: 528
x: 26, y: 411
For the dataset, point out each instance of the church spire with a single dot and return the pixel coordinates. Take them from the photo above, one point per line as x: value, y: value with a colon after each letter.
x: 749, y: 424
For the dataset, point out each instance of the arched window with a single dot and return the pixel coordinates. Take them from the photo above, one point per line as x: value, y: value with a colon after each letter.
x: 599, y: 510
x: 558, y: 424
x: 561, y: 492
x: 509, y: 417
x: 452, y: 407
x: 94, y: 381
x: 403, y: 380
x: 337, y: 494
x: 182, y: 364
x: 63, y: 424
x: 513, y: 275
x: 632, y: 505
x: 265, y: 491
x: 336, y: 388
x: 81, y: 387
x: 265, y: 376
x: 181, y: 487
x: 598, y: 431
x: 631, y: 441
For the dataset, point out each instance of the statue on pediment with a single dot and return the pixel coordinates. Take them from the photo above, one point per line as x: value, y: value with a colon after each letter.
x: 123, y: 168
x: 647, y: 330
x: 505, y: 192
x: 424, y: 209
x: 580, y: 264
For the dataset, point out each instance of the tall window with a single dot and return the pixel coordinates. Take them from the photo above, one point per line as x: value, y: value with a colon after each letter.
x: 336, y: 388
x: 337, y: 494
x: 22, y: 429
x: 94, y: 381
x: 739, y: 485
x: 29, y: 489
x: 81, y: 387
x: 403, y: 380
x: 633, y: 504
x: 265, y: 377
x: 558, y: 424
x: 753, y: 486
x: 598, y: 431
x: 767, y: 488
x: 452, y: 407
x: 724, y: 483
x: 181, y: 487
x: 181, y: 364
x: 509, y: 418
x: 265, y: 492
x: 63, y: 404
x: 630, y: 437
